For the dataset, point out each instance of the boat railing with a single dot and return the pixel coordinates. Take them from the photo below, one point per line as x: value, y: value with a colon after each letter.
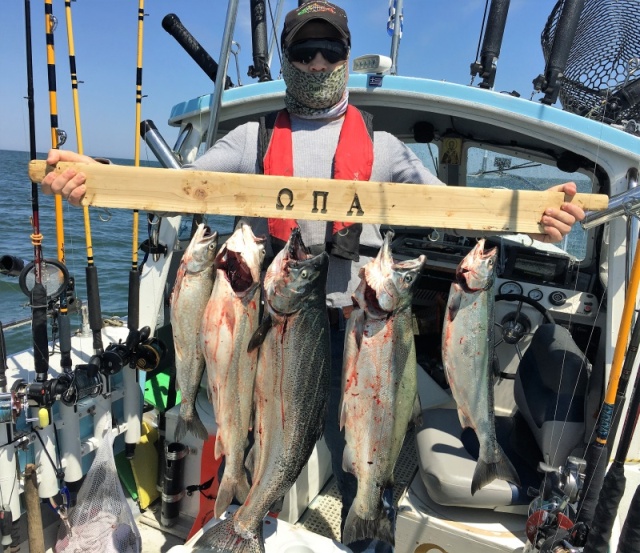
x: 626, y: 203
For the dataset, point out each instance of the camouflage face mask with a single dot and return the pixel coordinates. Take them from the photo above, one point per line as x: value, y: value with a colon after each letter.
x: 310, y: 94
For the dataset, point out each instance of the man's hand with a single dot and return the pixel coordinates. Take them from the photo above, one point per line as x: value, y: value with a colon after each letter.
x: 557, y: 223
x: 70, y: 183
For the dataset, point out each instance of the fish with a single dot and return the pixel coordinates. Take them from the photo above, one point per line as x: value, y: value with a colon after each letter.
x: 230, y: 319
x: 379, y: 387
x: 467, y: 354
x: 192, y: 288
x: 291, y: 391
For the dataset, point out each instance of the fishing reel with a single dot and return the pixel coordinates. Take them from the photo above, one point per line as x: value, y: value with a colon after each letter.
x: 54, y: 276
x: 42, y: 393
x: 552, y: 512
x: 69, y: 387
x: 82, y: 382
x: 7, y: 407
x: 139, y: 351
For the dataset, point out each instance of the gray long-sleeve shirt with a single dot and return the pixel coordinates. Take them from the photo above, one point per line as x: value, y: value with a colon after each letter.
x: 314, y: 146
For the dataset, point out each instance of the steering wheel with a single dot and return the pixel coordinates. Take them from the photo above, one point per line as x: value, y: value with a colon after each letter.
x: 516, y: 325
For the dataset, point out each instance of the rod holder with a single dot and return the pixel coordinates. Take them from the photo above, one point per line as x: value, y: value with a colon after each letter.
x: 173, y: 486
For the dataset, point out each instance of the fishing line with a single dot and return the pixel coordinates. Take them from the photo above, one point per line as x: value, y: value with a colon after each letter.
x: 59, y: 472
x: 598, y: 448
x: 484, y: 20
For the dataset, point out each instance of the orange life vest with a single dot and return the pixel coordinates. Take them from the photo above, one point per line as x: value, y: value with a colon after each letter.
x: 353, y: 161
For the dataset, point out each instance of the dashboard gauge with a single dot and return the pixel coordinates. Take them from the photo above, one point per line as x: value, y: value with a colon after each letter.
x: 510, y: 287
x: 535, y: 294
x: 558, y: 298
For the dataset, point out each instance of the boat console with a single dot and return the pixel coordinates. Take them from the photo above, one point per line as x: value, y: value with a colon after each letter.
x: 546, y: 328
x: 535, y: 282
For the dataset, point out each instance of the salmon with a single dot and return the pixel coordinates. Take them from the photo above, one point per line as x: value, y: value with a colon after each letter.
x: 291, y: 391
x: 380, y: 389
x: 191, y: 290
x: 230, y: 319
x: 467, y: 354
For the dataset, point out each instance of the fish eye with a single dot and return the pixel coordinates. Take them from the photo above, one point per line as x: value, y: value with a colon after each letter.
x: 408, y: 279
x: 304, y: 273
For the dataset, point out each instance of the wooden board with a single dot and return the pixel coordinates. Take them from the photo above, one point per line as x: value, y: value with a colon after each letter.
x: 180, y: 191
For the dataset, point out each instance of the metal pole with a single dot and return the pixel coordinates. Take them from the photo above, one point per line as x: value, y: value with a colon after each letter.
x: 273, y: 42
x: 395, y: 41
x: 223, y: 65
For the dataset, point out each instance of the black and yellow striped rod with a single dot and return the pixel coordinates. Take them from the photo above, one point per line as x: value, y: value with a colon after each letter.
x: 133, y: 314
x: 56, y: 141
x: 91, y: 271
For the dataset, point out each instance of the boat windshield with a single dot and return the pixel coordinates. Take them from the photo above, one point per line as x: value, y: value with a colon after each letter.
x: 491, y: 169
x: 487, y: 168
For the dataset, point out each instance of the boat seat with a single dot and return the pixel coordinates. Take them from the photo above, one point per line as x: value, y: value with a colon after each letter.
x: 447, y: 454
x: 550, y: 391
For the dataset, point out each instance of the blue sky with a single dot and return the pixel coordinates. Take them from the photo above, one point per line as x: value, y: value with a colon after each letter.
x: 439, y: 42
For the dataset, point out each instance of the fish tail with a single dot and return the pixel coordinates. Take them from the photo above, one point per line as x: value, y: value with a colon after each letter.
x: 230, y: 488
x: 193, y: 425
x: 488, y: 472
x: 356, y: 528
x: 223, y: 538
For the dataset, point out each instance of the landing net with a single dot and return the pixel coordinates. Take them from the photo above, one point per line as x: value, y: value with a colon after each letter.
x: 604, y: 58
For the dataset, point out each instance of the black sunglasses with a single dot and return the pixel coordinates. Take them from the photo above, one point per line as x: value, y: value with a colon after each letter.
x: 332, y: 50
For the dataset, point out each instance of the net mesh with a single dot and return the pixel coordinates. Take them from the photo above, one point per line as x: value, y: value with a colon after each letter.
x: 101, y: 519
x: 604, y: 58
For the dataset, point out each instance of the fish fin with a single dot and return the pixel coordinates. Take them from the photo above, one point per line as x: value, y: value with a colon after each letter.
x: 356, y: 528
x: 229, y: 489
x: 218, y: 450
x: 348, y: 460
x: 486, y: 473
x: 249, y: 462
x: 260, y: 334
x: 465, y: 422
x: 454, y: 305
x: 343, y: 414
x: 181, y: 430
x: 416, y: 416
x: 222, y: 538
x: 193, y: 425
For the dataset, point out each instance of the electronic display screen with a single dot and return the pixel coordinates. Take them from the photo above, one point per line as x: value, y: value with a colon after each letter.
x: 536, y: 269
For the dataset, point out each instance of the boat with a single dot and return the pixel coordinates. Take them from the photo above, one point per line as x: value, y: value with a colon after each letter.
x: 562, y: 312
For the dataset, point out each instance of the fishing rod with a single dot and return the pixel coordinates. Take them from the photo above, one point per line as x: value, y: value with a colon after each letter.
x: 172, y: 24
x: 630, y: 534
x: 597, y: 453
x: 260, y: 68
x: 487, y: 59
x: 71, y: 448
x: 58, y: 138
x: 93, y: 290
x: 38, y: 293
x: 131, y: 386
x: 614, y: 482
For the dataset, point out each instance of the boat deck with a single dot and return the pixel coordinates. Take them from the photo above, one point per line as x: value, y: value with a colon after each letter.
x: 323, y: 513
x: 321, y: 517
